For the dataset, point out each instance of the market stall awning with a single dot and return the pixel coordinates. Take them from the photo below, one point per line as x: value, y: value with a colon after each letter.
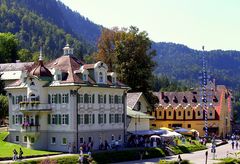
x: 142, y: 132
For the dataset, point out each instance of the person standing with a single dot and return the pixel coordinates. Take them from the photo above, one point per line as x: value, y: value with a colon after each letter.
x: 81, y: 156
x: 236, y: 145
x: 20, y: 154
x: 15, y: 154
x: 232, y: 144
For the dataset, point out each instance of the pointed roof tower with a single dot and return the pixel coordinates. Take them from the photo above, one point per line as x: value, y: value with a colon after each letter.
x: 40, y: 70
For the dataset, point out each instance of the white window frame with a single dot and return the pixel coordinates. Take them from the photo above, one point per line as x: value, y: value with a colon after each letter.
x: 81, y: 119
x: 113, y: 80
x: 17, y: 119
x: 85, y: 77
x: 64, y: 118
x: 119, y: 99
x: 24, y: 139
x: 17, y: 139
x: 89, y: 99
x: 53, y: 117
x: 32, y: 140
x: 63, y: 140
x: 24, y: 98
x: 82, y: 140
x: 101, y: 118
x: 101, y: 97
x: 52, y: 140
x: 53, y: 98
x: 64, y: 98
x: 111, y: 99
x: 100, y: 77
x: 81, y: 100
x: 112, y: 118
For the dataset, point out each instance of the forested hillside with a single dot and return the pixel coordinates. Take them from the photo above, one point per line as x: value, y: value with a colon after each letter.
x: 182, y: 63
x: 48, y: 23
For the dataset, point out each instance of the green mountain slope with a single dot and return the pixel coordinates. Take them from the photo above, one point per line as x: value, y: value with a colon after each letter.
x: 182, y: 63
x: 32, y: 29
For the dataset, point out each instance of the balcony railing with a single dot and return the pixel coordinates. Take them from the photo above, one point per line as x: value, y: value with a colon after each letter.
x: 34, y: 106
x: 30, y: 128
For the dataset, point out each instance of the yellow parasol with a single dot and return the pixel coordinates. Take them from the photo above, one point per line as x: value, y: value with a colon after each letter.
x: 165, y: 128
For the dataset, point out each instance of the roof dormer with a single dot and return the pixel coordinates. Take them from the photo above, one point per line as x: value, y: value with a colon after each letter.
x: 84, y: 73
x: 100, y: 72
x: 112, y: 76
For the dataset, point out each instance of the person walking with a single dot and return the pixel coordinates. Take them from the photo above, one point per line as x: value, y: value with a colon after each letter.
x: 81, y: 156
x: 232, y: 144
x: 20, y: 154
x: 15, y: 155
x: 236, y: 145
x: 179, y: 159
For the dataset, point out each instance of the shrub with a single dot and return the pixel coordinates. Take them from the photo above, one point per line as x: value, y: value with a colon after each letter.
x: 127, y: 155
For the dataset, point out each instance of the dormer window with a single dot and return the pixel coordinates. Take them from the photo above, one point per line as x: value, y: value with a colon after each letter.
x: 100, y: 78
x: 113, y: 80
x: 84, y: 77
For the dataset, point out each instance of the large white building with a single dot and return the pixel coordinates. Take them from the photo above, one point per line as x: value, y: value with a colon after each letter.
x: 66, y: 101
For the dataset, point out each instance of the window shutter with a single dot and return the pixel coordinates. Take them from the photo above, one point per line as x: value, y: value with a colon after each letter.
x: 59, y: 98
x: 85, y: 98
x: 67, y: 119
x: 20, y: 119
x: 93, y: 118
x: 109, y: 99
x: 105, y: 118
x: 20, y: 98
x: 13, y: 100
x: 116, y: 118
x: 98, y: 118
x: 116, y: 99
x: 78, y: 98
x: 123, y: 118
x: 93, y: 98
x: 78, y: 119
x: 49, y: 119
x: 56, y: 119
x: 67, y: 98
x: 55, y: 99
x: 13, y: 119
x: 122, y: 99
x: 49, y: 99
x: 105, y: 99
x: 110, y: 121
x: 98, y: 99
x: 59, y: 119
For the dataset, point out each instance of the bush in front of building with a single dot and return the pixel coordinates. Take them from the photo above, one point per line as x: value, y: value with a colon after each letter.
x: 127, y: 155
x: 187, y: 148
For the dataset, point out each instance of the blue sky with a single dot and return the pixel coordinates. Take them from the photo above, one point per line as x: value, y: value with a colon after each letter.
x: 212, y: 23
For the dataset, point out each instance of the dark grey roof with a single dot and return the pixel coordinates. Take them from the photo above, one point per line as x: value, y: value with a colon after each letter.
x: 132, y: 99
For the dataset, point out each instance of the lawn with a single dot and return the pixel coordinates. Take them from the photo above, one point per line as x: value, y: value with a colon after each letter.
x: 6, y: 149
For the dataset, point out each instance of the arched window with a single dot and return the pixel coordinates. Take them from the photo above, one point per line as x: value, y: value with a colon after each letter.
x: 179, y: 113
x: 100, y: 77
x: 33, y: 97
x: 169, y: 113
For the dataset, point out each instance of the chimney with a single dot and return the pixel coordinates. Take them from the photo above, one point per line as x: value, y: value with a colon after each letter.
x: 162, y: 95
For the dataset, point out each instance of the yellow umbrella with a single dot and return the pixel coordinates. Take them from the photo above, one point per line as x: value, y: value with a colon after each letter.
x: 193, y: 130
x: 165, y: 128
